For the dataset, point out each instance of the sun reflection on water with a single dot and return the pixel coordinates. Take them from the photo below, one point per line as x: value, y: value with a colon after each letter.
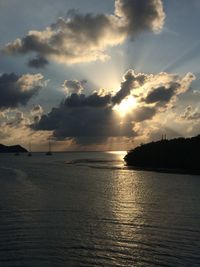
x: 126, y: 206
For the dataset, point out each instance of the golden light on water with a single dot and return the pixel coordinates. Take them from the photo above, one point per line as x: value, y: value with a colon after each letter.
x: 125, y: 106
x: 119, y: 155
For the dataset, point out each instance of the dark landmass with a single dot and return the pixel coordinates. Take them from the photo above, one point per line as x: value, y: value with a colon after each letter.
x: 180, y: 155
x: 12, y: 149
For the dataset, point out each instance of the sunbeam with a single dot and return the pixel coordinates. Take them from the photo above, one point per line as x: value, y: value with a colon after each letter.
x: 125, y: 106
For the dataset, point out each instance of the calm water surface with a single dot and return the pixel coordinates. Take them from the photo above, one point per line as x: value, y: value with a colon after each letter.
x: 87, y: 209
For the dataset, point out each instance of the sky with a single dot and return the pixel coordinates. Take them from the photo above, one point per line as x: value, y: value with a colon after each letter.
x: 98, y: 75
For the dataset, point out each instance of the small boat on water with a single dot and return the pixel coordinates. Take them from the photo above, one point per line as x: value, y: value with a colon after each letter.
x: 49, y: 153
x: 29, y: 152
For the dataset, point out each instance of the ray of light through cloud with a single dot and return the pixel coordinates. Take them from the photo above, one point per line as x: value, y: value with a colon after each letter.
x: 114, y: 71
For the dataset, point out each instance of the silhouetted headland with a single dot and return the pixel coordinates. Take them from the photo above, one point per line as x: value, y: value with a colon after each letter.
x: 12, y: 149
x: 180, y: 155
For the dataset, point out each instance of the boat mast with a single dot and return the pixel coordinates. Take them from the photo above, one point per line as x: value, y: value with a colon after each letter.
x: 29, y: 152
x: 49, y: 153
x: 29, y: 147
x: 49, y: 146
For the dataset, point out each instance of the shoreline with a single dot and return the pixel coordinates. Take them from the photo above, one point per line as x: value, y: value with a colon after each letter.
x: 165, y: 170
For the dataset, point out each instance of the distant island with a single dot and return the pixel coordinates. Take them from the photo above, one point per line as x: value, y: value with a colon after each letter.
x: 12, y: 149
x: 180, y: 155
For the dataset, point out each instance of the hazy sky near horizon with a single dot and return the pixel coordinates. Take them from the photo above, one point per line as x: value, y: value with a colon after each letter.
x: 98, y: 74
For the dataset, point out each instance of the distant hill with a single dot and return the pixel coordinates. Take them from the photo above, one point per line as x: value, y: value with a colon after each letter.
x: 12, y: 149
x: 176, y: 155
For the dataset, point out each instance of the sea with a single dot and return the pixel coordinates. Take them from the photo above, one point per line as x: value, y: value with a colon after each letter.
x: 89, y: 209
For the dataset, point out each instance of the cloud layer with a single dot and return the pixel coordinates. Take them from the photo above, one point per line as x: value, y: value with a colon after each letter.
x: 74, y: 86
x: 84, y: 38
x: 18, y: 90
x: 191, y: 114
x: 93, y: 117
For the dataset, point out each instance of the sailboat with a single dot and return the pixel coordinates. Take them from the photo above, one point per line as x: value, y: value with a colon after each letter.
x: 49, y: 153
x: 29, y: 153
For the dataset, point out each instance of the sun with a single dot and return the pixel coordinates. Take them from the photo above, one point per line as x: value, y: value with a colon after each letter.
x: 125, y: 106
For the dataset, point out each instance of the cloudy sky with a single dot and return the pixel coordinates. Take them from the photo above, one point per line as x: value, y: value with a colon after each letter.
x: 98, y: 75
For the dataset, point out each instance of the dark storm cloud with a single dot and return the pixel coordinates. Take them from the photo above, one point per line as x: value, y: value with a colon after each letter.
x: 93, y: 100
x: 169, y: 89
x: 38, y: 62
x: 83, y: 118
x: 84, y: 38
x: 130, y: 81
x: 161, y: 94
x: 92, y: 118
x: 18, y: 90
x: 143, y: 113
x: 140, y: 15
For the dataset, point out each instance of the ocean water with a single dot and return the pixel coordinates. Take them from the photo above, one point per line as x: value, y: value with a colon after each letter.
x: 88, y: 209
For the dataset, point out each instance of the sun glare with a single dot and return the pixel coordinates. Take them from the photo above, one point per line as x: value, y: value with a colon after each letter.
x: 125, y: 106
